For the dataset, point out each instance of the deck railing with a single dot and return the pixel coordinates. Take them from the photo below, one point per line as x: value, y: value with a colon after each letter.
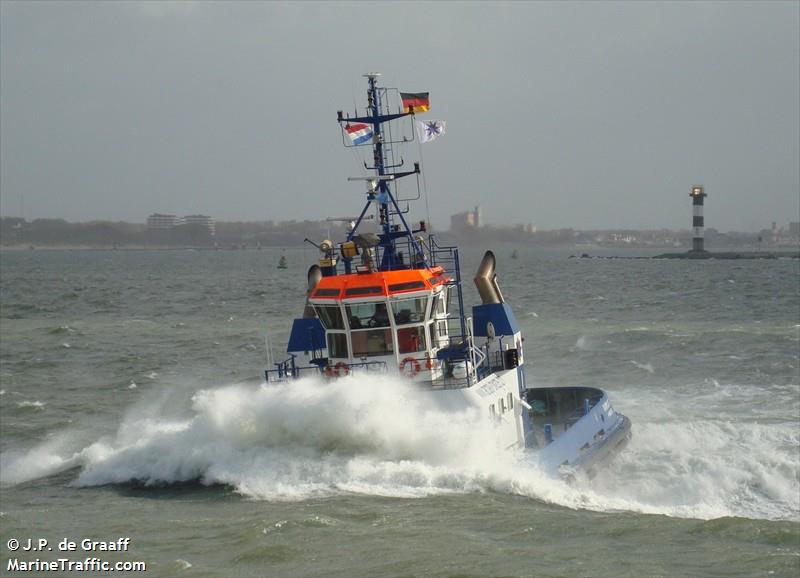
x: 288, y: 369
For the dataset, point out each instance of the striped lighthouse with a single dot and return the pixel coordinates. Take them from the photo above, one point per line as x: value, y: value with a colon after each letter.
x: 697, y: 195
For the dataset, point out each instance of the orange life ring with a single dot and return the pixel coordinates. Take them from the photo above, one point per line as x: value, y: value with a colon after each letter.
x: 428, y: 362
x: 413, y: 365
x: 341, y: 368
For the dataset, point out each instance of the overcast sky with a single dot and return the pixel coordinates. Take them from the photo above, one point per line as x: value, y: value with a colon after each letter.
x: 589, y: 115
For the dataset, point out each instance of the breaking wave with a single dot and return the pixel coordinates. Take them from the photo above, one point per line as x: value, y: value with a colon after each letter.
x: 380, y: 436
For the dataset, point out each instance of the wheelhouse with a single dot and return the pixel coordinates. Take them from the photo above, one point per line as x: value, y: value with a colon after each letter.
x: 395, y: 317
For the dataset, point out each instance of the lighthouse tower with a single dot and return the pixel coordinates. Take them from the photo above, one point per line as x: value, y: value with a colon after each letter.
x: 697, y: 195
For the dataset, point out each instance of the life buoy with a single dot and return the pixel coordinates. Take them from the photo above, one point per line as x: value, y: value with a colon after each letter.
x: 428, y: 362
x: 341, y: 368
x: 413, y: 367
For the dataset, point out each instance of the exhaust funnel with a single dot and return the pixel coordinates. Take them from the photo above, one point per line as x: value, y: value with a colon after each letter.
x: 486, y: 280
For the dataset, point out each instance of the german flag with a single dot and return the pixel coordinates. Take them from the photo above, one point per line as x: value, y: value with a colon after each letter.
x: 415, y: 102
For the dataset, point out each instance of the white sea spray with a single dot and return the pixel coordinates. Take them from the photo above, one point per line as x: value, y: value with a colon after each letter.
x: 382, y: 437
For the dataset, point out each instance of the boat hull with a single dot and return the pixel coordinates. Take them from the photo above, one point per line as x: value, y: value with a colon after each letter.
x: 590, y: 431
x: 497, y: 397
x: 576, y: 429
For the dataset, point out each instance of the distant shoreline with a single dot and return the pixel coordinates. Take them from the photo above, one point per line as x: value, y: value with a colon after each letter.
x: 585, y: 253
x: 707, y: 256
x: 17, y: 233
x: 133, y: 248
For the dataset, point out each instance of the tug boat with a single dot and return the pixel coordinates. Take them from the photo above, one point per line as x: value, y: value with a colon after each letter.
x: 390, y: 300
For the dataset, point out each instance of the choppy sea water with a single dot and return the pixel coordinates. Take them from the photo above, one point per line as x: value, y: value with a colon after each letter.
x: 130, y: 406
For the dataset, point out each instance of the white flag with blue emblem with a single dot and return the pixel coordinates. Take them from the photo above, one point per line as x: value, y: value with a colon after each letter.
x: 429, y: 130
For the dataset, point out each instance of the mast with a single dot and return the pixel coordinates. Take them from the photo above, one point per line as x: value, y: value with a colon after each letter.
x: 384, y: 194
x: 379, y: 190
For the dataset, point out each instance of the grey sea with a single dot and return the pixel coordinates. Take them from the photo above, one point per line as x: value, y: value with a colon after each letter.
x: 131, y: 407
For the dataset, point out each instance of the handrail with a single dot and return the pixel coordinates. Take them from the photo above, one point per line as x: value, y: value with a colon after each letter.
x: 474, y: 352
x: 573, y: 417
x: 287, y: 369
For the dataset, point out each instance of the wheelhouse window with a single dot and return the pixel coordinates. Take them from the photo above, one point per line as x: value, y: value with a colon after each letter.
x: 364, y: 315
x: 409, y: 310
x: 374, y: 290
x: 337, y: 345
x: 411, y: 339
x: 372, y: 342
x: 330, y: 315
x: 407, y: 286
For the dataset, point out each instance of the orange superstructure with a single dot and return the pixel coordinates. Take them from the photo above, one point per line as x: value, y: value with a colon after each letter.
x: 396, y: 318
x: 379, y: 283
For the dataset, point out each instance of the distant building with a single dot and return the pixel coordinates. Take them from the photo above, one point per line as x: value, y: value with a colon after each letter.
x: 466, y: 220
x: 159, y: 222
x: 193, y: 230
x: 462, y: 221
x: 200, y: 221
x: 794, y: 229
